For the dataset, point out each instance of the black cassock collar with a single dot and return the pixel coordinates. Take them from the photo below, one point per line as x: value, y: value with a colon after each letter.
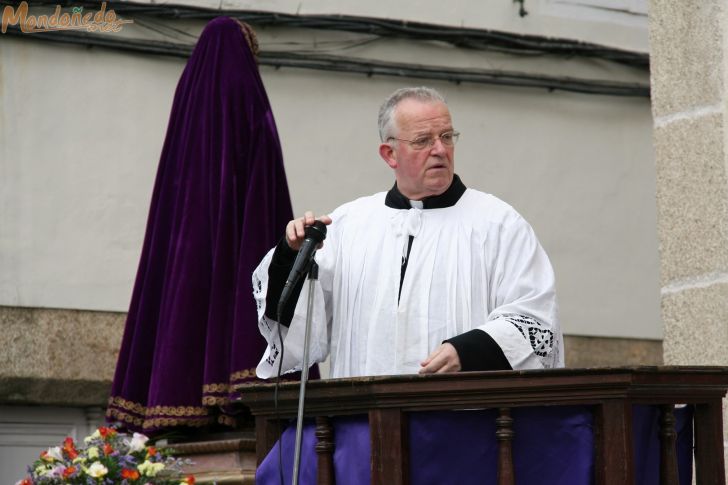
x: 449, y: 198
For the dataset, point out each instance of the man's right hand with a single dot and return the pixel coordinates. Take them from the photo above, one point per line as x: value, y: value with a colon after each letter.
x: 296, y: 229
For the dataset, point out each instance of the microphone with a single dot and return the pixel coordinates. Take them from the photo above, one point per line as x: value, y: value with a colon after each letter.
x: 314, y: 235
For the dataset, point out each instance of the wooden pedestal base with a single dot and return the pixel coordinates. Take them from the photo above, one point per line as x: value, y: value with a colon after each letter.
x: 227, y: 459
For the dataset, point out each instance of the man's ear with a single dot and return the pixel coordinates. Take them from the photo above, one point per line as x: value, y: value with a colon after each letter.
x: 387, y: 153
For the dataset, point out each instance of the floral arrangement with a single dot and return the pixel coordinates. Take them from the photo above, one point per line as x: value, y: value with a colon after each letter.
x: 108, y: 458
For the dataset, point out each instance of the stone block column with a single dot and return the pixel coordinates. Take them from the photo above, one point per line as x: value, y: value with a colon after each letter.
x: 55, y: 357
x: 689, y: 77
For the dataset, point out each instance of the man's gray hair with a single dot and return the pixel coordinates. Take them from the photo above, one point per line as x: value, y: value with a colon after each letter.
x: 387, y: 123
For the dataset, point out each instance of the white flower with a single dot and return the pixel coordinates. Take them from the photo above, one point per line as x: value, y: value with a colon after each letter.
x: 92, y: 452
x: 55, y: 453
x: 137, y: 442
x: 97, y: 470
x: 149, y: 469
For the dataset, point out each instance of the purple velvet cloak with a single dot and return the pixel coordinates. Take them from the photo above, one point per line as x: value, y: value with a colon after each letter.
x: 220, y: 201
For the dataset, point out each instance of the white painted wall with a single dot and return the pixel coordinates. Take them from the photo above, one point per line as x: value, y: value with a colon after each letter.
x: 81, y: 131
x: 617, y: 23
x: 26, y: 431
x: 80, y: 137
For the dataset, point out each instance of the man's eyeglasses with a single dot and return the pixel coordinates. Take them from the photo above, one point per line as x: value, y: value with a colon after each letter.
x: 449, y: 138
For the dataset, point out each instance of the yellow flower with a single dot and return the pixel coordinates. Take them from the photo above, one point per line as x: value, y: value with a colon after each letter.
x: 149, y: 469
x: 93, y: 452
x: 97, y: 470
x: 95, y: 435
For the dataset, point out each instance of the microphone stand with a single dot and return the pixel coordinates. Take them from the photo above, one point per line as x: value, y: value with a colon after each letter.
x: 312, y: 277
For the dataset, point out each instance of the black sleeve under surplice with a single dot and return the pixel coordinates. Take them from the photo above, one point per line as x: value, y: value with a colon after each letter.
x: 479, y: 352
x: 278, y: 271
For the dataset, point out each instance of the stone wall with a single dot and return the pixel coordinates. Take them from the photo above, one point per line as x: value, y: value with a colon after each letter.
x: 611, y: 352
x: 58, y: 357
x: 67, y: 357
x: 688, y: 42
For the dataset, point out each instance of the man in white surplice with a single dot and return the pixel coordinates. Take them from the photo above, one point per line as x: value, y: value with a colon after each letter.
x: 428, y: 277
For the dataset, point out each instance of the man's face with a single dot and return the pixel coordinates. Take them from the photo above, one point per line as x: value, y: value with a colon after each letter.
x: 429, y: 171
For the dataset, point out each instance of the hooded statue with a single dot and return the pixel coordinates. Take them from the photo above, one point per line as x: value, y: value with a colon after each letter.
x: 220, y: 201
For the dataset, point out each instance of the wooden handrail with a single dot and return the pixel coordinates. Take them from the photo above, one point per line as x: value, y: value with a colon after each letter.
x: 611, y: 391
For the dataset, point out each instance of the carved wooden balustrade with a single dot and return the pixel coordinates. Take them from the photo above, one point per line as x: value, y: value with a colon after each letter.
x: 611, y: 392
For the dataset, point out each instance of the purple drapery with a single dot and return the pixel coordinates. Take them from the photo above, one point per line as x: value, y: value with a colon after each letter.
x: 552, y: 446
x: 220, y: 201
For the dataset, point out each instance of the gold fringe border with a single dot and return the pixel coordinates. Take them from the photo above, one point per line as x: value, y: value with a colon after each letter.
x: 215, y: 400
x: 161, y: 416
x: 225, y: 388
x: 157, y: 422
x: 243, y: 374
x: 174, y: 411
x: 212, y: 388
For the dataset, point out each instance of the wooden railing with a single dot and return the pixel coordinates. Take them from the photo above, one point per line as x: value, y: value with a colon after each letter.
x: 612, y: 393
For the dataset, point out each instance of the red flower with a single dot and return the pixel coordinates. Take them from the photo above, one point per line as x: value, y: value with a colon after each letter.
x: 130, y: 474
x: 26, y: 481
x: 69, y: 471
x: 69, y: 448
x: 106, y: 432
x: 190, y: 480
x: 151, y: 451
x: 43, y: 454
x: 108, y: 449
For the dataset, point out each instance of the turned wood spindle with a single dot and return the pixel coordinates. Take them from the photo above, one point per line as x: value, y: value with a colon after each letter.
x: 325, y: 450
x: 504, y: 434
x: 668, y: 450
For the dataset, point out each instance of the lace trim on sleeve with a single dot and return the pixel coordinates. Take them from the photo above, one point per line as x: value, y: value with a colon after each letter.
x: 258, y: 292
x: 541, y: 339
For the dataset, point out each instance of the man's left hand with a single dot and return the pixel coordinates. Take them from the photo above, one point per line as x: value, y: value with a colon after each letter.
x: 444, y: 359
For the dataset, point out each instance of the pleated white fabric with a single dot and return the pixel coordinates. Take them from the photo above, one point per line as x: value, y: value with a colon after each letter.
x: 476, y: 264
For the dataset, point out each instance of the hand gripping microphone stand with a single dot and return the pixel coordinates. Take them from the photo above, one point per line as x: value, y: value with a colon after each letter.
x: 304, y: 263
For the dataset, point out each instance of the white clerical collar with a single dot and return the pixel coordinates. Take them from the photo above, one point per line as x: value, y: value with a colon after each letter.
x: 396, y: 200
x: 417, y: 204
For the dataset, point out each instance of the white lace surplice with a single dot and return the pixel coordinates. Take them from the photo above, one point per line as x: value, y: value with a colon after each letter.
x: 476, y: 264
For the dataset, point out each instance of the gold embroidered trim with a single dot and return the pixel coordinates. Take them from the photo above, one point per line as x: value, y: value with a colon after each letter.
x: 177, y: 411
x: 158, y: 422
x: 139, y: 415
x: 243, y: 374
x: 123, y: 417
x: 166, y: 422
x: 127, y: 405
x: 157, y: 410
x: 214, y: 401
x: 215, y: 388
